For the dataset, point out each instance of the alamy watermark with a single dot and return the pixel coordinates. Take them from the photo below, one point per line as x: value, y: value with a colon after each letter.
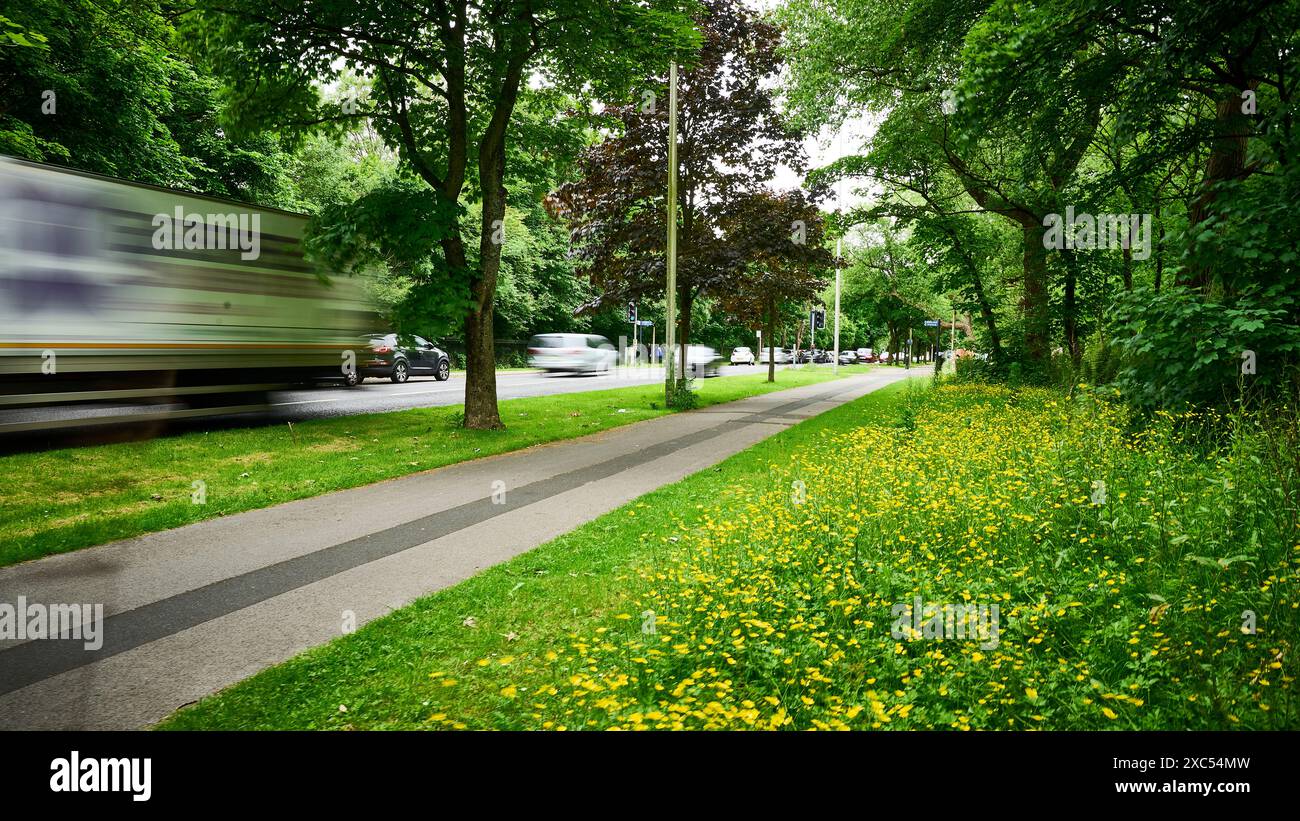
x: 1086, y: 232
x: 31, y: 621
x: 90, y: 774
x: 971, y: 621
x: 208, y: 232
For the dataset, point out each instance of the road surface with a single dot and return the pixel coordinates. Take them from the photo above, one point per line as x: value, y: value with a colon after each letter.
x: 373, y: 396
x: 193, y: 610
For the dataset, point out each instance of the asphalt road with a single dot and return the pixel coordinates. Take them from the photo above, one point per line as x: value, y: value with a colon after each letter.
x: 379, y: 396
x: 134, y: 422
x: 375, y: 395
x: 193, y: 610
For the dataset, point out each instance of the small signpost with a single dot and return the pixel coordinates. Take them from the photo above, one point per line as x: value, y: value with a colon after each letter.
x: 934, y: 323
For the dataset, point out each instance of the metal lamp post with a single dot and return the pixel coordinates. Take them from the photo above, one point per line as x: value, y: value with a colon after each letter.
x: 670, y: 287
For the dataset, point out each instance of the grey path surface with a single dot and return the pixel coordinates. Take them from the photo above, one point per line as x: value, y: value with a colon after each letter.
x: 192, y: 610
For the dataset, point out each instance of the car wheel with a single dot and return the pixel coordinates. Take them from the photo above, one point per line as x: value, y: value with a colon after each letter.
x: 353, y: 378
x: 444, y: 371
x: 400, y: 373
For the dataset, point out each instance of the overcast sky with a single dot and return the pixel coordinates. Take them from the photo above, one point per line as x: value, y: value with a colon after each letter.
x: 825, y: 147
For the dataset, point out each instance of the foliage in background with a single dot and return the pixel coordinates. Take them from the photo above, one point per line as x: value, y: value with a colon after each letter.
x: 1181, y: 112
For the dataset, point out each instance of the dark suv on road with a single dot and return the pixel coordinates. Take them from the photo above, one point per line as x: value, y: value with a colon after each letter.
x: 399, y: 357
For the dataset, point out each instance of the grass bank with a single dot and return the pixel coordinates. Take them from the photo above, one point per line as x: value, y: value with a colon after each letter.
x: 1142, y: 580
x: 61, y: 500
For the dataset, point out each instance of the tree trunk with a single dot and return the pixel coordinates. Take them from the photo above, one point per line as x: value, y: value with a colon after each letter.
x: 480, y: 371
x: 687, y: 300
x: 1227, y: 161
x: 1160, y: 242
x: 480, y: 346
x: 1070, y: 310
x: 986, y: 312
x: 1034, y: 301
x: 771, y: 340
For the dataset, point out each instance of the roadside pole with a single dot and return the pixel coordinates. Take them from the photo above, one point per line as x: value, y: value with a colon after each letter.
x: 670, y: 287
x: 633, y: 316
x: 909, y: 349
x: 835, y: 366
x: 934, y: 347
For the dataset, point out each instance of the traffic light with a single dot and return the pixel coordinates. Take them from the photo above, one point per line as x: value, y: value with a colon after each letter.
x: 631, y: 312
x: 818, y: 319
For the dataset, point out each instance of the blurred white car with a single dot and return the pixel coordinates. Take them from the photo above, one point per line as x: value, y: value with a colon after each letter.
x: 742, y: 356
x: 571, y: 353
x: 848, y: 357
x: 701, y: 360
x: 782, y: 356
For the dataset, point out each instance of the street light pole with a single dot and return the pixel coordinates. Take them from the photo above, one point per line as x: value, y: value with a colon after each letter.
x: 835, y: 368
x: 670, y: 287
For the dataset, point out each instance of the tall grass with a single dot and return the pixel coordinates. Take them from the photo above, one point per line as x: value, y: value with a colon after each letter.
x: 1145, y: 577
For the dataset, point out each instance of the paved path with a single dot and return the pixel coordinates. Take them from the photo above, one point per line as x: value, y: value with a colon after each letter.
x: 193, y: 610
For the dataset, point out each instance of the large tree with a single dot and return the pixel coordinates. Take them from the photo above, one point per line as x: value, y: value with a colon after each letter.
x: 781, y: 241
x: 907, y: 72
x: 731, y: 138
x: 446, y: 79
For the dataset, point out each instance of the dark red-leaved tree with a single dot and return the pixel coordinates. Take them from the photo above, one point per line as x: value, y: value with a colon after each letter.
x: 731, y: 140
x: 782, y: 240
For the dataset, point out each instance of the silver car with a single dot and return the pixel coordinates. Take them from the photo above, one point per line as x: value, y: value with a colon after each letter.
x: 571, y: 353
x: 702, y: 361
x: 782, y: 356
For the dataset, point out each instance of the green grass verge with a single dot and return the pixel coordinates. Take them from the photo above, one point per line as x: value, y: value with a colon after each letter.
x: 61, y: 500
x: 524, y: 608
x: 1146, y: 577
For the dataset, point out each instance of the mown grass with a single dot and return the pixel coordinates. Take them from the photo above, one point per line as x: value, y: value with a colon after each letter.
x: 766, y: 593
x: 61, y: 500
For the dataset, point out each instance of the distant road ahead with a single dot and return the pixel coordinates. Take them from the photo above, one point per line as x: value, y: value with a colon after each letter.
x: 323, y: 401
x: 379, y: 396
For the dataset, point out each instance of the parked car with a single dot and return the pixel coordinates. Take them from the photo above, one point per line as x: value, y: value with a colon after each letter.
x: 781, y: 356
x: 742, y: 356
x: 864, y: 355
x: 399, y: 357
x: 884, y: 356
x: 823, y: 357
x: 571, y: 353
x: 703, y: 361
x: 848, y: 357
